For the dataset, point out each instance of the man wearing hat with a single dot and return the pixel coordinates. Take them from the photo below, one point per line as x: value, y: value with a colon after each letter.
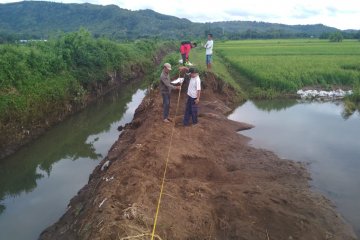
x: 165, y: 89
x: 193, y: 93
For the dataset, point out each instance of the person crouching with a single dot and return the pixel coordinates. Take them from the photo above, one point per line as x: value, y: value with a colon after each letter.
x: 193, y: 93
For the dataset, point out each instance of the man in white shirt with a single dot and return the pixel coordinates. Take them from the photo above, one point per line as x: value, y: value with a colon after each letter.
x: 193, y: 93
x: 209, y: 50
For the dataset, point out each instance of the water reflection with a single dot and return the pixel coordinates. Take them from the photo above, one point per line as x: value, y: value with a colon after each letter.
x: 61, y: 160
x: 350, y: 109
x: 317, y: 133
x: 275, y: 105
x: 2, y: 207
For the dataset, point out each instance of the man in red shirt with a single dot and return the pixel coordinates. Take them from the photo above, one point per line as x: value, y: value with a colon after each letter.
x: 185, y: 48
x: 183, y: 51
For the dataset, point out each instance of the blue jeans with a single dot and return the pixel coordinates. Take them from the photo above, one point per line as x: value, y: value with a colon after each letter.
x: 208, y: 59
x: 166, y: 104
x: 190, y: 110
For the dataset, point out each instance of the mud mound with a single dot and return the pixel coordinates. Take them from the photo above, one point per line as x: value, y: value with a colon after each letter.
x: 217, y: 187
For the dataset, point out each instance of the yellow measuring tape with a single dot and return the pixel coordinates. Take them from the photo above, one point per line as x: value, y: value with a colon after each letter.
x: 166, y: 164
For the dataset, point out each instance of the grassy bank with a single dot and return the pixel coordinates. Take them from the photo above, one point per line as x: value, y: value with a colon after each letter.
x: 220, y: 70
x: 40, y: 82
x: 276, y: 67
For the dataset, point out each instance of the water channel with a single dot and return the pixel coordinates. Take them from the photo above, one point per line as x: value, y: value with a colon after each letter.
x: 38, y: 181
x: 317, y: 133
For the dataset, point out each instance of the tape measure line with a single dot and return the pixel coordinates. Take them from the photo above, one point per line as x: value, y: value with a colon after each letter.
x: 164, y: 175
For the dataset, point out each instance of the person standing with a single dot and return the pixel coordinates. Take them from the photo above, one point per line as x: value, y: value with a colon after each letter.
x: 165, y: 89
x: 209, y: 50
x: 193, y: 93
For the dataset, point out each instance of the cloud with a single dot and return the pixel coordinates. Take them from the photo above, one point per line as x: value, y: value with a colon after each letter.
x: 303, y: 13
x: 331, y: 11
x: 239, y: 13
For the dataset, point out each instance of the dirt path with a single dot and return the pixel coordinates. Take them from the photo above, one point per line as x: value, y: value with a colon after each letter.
x: 217, y: 187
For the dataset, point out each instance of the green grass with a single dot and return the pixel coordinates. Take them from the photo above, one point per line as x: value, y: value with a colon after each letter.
x: 275, y: 67
x: 64, y: 69
x: 197, y: 57
x: 41, y: 80
x: 219, y: 67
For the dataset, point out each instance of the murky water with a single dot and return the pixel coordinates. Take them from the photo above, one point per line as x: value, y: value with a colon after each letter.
x: 37, y: 182
x: 317, y: 133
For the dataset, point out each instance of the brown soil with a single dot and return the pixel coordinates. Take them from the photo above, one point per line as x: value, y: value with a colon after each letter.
x: 217, y: 186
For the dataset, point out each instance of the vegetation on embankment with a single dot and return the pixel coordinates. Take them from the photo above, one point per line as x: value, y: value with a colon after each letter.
x: 277, y: 67
x: 225, y: 79
x: 42, y: 82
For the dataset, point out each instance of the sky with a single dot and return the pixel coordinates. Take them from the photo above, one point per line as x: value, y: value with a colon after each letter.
x: 342, y: 14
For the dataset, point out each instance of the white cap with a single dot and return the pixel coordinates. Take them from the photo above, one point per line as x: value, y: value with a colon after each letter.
x: 168, y: 66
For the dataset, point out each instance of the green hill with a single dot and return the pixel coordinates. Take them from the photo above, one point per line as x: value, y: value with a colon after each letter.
x: 44, y: 18
x: 38, y: 19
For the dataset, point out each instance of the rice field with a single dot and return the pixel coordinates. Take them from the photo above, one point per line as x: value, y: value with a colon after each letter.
x: 284, y: 66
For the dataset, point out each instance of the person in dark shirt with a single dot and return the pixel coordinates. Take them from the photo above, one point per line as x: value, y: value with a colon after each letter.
x: 165, y: 89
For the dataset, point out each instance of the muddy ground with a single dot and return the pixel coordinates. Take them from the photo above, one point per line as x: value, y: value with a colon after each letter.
x: 217, y: 186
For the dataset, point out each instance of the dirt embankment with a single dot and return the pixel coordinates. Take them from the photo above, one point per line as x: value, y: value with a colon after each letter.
x: 217, y: 186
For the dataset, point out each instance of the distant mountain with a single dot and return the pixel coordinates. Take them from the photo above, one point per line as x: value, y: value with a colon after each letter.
x: 41, y: 19
x: 281, y: 30
x: 44, y: 18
